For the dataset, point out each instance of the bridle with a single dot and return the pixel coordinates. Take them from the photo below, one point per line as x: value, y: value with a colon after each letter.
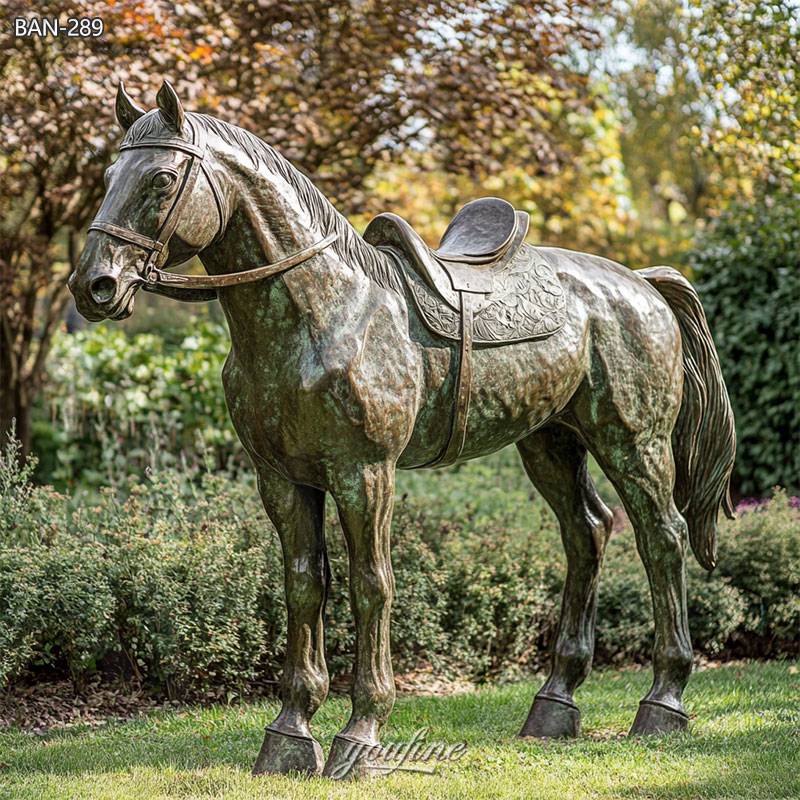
x: 151, y: 275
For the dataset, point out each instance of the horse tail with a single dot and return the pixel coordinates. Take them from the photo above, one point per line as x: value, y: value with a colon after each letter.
x: 704, y: 438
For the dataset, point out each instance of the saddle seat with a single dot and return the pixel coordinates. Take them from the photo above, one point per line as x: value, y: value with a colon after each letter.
x: 482, y: 286
x: 479, y: 241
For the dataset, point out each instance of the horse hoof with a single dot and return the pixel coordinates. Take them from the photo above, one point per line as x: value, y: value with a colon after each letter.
x: 655, y: 718
x: 552, y: 718
x: 351, y: 759
x: 288, y: 752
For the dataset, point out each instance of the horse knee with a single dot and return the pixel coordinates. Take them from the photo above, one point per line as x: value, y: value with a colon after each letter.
x: 374, y: 591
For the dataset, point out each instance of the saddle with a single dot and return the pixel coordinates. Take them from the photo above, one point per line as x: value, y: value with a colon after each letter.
x: 483, y: 285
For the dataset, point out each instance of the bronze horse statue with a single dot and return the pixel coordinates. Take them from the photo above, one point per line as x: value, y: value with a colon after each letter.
x: 353, y: 357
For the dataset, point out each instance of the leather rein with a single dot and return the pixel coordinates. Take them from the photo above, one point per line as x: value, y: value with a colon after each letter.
x: 194, y: 287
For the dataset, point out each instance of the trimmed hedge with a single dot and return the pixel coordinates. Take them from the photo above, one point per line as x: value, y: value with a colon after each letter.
x: 180, y: 586
x: 748, y: 276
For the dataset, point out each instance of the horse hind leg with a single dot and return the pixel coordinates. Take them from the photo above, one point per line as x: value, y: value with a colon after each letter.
x: 556, y: 463
x: 643, y: 474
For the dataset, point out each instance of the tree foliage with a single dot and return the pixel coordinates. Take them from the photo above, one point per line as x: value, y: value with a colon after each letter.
x: 581, y: 204
x: 660, y: 105
x: 746, y: 53
x: 57, y: 139
x: 708, y: 94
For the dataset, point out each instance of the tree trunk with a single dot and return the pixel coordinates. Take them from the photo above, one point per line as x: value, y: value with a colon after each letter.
x: 23, y: 358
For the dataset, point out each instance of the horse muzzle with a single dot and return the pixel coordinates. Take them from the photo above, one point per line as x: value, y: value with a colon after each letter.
x: 101, y: 286
x: 103, y: 298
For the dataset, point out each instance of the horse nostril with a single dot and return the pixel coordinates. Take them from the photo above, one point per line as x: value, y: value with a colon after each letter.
x: 103, y: 289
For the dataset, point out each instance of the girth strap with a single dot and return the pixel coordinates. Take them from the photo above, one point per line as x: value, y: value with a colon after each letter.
x: 463, y: 390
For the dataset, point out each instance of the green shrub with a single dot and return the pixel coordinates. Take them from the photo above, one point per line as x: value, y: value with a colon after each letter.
x: 20, y: 610
x: 624, y: 608
x: 760, y: 558
x: 76, y: 606
x: 503, y: 595
x: 188, y: 612
x: 749, y: 280
x: 57, y: 607
x: 625, y: 616
x: 119, y: 405
x: 177, y: 582
x: 716, y: 610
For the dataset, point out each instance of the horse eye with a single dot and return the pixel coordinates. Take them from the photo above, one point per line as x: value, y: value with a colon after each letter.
x: 161, y: 180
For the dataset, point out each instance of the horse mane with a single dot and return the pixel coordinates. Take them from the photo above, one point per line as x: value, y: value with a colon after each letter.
x: 349, y: 245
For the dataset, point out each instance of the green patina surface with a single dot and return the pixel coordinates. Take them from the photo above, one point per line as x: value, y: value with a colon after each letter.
x: 333, y: 383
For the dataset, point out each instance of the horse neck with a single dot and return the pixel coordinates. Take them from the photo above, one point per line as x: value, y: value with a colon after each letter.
x: 274, y: 211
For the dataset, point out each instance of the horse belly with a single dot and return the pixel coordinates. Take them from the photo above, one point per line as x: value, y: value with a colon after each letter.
x: 516, y: 388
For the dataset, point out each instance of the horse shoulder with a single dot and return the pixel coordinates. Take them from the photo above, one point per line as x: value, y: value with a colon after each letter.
x: 373, y: 371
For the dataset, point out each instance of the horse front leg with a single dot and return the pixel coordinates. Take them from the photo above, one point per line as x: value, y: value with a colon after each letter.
x: 298, y: 515
x: 365, y: 501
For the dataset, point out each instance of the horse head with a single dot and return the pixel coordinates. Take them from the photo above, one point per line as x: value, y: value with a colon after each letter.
x: 158, y: 208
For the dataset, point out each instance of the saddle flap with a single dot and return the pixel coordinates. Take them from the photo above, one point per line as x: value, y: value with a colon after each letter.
x: 528, y: 302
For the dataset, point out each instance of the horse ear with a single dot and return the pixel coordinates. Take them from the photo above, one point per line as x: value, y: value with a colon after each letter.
x: 170, y: 106
x: 127, y: 111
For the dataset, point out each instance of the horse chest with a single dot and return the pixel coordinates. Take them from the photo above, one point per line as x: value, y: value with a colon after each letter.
x: 307, y: 409
x: 264, y: 398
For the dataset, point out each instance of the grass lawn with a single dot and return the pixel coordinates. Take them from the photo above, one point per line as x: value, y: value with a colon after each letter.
x: 744, y: 743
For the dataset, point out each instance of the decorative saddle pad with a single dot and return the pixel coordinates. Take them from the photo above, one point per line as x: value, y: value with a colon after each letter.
x: 527, y: 303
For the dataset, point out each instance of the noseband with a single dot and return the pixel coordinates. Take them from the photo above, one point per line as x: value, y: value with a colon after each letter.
x: 152, y: 276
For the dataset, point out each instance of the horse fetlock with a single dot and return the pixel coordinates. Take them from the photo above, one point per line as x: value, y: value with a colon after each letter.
x: 574, y: 657
x: 372, y: 703
x: 673, y: 665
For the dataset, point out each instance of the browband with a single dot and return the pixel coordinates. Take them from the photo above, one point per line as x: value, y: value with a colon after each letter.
x: 174, y: 144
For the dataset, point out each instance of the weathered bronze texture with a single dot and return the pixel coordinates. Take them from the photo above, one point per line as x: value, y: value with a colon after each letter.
x: 369, y: 357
